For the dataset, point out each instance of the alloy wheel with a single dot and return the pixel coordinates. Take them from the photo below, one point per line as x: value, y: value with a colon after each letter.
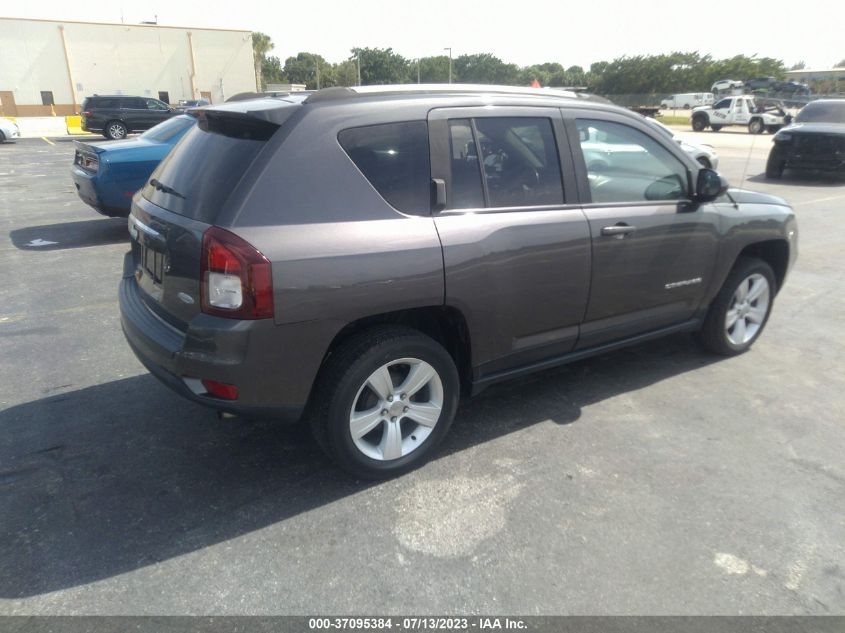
x: 396, y: 409
x: 748, y: 308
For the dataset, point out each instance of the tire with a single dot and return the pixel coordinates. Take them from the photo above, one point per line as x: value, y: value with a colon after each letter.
x: 2, y: 137
x: 699, y: 123
x: 772, y: 129
x: 115, y: 130
x: 750, y: 310
x: 705, y: 162
x: 774, y: 166
x: 344, y: 388
x: 686, y: 106
x: 755, y: 126
x: 715, y: 128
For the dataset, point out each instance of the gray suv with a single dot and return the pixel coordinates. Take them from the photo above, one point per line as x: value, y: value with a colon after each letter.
x: 364, y: 257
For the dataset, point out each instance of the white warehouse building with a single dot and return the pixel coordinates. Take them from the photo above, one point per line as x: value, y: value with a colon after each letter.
x: 49, y: 67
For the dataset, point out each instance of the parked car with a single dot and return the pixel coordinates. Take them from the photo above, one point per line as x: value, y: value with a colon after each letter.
x: 815, y: 141
x: 192, y: 103
x: 727, y: 86
x: 115, y: 116
x: 687, y: 100
x: 9, y: 130
x: 760, y: 83
x: 790, y: 88
x: 363, y: 257
x: 704, y: 154
x: 107, y: 175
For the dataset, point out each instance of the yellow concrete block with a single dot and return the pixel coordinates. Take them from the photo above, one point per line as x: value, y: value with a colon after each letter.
x: 74, y: 125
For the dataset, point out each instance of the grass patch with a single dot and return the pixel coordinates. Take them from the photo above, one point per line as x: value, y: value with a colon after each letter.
x: 674, y: 120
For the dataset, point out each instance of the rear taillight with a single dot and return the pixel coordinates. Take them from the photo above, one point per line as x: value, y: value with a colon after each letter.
x: 87, y: 113
x: 236, y: 279
x: 221, y: 389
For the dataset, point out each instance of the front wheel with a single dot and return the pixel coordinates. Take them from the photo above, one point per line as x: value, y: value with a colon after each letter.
x: 384, y: 401
x: 699, y: 123
x: 774, y: 166
x: 715, y: 128
x: 739, y: 313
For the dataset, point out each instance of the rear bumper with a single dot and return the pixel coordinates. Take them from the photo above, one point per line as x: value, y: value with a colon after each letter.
x: 243, y: 353
x: 87, y: 187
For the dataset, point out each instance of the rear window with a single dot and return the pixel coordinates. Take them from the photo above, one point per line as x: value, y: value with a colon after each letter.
x: 105, y: 103
x: 166, y: 130
x: 394, y: 158
x: 197, y: 177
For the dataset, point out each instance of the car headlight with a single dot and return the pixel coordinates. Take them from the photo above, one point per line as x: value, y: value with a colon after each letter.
x: 780, y: 137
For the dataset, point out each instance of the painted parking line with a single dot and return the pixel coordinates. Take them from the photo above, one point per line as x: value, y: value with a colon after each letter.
x: 817, y: 200
x: 46, y: 140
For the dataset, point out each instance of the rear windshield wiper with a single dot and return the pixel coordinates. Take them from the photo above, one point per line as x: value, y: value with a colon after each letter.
x: 165, y: 189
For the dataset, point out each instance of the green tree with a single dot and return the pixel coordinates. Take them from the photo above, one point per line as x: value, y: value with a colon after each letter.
x: 433, y: 70
x: 304, y: 69
x: 799, y: 66
x: 261, y: 45
x: 346, y: 73
x: 271, y: 70
x: 484, y: 68
x: 381, y: 66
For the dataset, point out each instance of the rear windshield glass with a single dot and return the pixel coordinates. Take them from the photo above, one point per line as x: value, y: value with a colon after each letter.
x: 165, y: 131
x: 394, y: 158
x: 197, y: 177
x: 822, y: 112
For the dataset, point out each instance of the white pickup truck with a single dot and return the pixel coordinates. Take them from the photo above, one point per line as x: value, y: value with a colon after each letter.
x: 741, y: 110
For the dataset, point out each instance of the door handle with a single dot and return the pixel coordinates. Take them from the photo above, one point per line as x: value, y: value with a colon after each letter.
x: 618, y: 230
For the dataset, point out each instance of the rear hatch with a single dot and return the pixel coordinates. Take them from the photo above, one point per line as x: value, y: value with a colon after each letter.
x: 187, y: 194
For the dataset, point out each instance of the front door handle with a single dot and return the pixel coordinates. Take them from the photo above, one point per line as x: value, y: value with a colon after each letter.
x: 618, y: 230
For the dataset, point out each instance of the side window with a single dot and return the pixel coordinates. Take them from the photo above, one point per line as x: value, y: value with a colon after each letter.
x: 627, y: 165
x: 466, y: 189
x: 153, y: 104
x: 724, y: 103
x: 521, y: 165
x: 134, y: 103
x: 394, y: 158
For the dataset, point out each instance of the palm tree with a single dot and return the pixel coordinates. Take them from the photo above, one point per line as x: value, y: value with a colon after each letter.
x: 261, y: 45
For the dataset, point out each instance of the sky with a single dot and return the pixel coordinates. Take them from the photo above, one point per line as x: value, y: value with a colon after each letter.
x: 517, y: 31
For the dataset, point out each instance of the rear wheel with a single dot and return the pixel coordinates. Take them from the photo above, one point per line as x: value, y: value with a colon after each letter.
x: 115, y: 130
x: 384, y: 401
x: 699, y: 123
x: 739, y: 313
x: 756, y: 126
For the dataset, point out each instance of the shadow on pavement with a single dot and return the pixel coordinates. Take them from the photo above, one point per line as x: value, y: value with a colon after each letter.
x: 111, y: 478
x: 53, y: 237
x: 793, y: 178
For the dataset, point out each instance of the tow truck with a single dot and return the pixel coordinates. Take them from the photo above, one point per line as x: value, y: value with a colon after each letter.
x: 760, y: 116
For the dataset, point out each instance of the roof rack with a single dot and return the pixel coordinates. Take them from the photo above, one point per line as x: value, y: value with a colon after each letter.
x: 331, y: 94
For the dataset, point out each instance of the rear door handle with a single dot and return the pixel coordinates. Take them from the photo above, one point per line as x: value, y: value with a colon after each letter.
x: 618, y: 230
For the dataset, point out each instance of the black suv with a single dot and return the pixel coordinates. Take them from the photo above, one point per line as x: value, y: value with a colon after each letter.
x: 364, y: 257
x: 114, y: 116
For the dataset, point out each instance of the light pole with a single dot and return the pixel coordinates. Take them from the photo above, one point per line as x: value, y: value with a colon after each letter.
x: 449, y: 48
x: 358, y: 61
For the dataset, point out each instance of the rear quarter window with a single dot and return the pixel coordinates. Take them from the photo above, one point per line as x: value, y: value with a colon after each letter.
x: 394, y: 158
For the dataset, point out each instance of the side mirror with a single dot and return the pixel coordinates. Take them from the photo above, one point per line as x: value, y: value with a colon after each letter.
x: 710, y: 185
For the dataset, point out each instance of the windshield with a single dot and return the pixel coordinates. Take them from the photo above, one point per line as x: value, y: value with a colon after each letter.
x: 822, y: 112
x: 169, y: 129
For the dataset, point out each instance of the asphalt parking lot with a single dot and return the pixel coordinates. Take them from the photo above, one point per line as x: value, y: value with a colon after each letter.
x: 654, y: 480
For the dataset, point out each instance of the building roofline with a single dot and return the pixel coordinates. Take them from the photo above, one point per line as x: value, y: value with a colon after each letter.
x: 133, y: 24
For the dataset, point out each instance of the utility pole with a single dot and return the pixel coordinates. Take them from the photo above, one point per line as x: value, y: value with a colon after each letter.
x: 449, y: 48
x: 358, y: 60
x: 418, y: 70
x: 317, y: 71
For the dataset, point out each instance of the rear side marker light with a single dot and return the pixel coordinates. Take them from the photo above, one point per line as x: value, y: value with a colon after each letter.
x: 220, y: 389
x: 236, y: 279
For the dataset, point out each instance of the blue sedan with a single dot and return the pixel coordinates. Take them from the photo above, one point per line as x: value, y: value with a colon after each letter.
x: 108, y: 174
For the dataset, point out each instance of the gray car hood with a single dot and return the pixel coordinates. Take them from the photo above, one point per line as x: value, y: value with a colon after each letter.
x: 743, y: 196
x: 815, y: 128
